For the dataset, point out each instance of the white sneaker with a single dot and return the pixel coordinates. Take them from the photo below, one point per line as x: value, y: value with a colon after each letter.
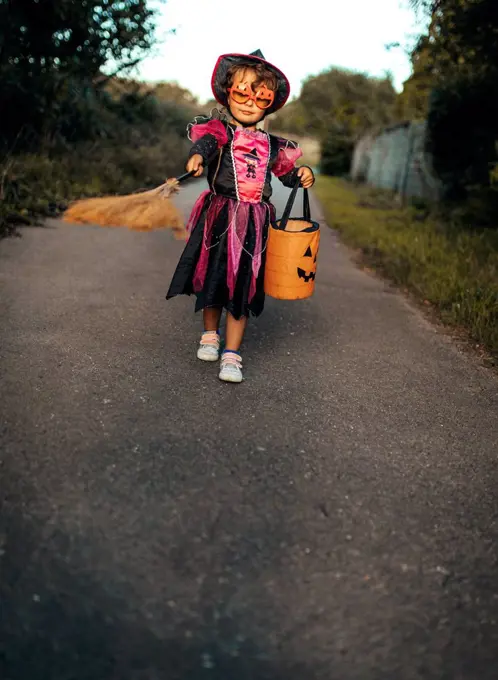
x: 231, y: 367
x: 209, y: 346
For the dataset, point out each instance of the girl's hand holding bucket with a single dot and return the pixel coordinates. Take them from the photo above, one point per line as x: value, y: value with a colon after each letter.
x: 306, y: 176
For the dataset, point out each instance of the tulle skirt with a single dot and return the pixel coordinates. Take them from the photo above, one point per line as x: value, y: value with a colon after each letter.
x: 223, y: 261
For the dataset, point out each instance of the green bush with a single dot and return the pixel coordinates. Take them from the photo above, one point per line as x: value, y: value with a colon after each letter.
x: 336, y: 156
x: 137, y: 143
x: 69, y: 130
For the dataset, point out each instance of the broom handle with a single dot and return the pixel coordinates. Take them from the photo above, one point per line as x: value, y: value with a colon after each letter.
x: 185, y: 176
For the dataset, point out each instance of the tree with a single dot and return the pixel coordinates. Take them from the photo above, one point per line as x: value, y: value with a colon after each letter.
x: 172, y: 92
x: 336, y: 153
x: 291, y: 119
x: 463, y: 35
x: 343, y: 102
x: 413, y: 102
x: 460, y: 54
x: 50, y: 48
x: 337, y: 107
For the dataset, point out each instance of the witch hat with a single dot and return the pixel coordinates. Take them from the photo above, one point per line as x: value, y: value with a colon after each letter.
x: 252, y: 154
x: 226, y: 61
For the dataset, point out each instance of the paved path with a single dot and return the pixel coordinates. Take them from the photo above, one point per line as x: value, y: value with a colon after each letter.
x: 333, y: 518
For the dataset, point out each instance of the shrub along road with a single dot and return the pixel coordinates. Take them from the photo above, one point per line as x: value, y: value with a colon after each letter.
x: 334, y: 517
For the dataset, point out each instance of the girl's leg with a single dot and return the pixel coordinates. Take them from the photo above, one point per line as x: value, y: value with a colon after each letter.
x: 234, y: 332
x: 209, y: 346
x: 212, y: 316
x: 231, y: 363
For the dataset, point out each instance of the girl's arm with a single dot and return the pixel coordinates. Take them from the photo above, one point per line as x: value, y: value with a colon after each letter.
x: 285, y: 165
x: 208, y: 137
x: 289, y: 179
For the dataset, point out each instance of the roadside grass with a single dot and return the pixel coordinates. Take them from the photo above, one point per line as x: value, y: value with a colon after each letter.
x: 444, y: 262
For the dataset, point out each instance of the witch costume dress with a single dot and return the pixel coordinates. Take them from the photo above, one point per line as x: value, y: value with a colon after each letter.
x: 224, y: 259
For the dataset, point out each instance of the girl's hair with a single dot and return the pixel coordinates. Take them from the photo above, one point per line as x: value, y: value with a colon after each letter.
x: 263, y: 75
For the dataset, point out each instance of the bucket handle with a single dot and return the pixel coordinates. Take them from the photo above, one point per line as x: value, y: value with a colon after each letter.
x: 290, y: 202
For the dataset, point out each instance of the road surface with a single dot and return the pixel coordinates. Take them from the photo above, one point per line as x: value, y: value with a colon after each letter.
x: 332, y: 518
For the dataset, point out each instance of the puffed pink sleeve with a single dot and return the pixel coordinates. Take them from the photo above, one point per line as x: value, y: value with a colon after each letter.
x: 207, y: 136
x: 287, y: 155
x: 212, y: 127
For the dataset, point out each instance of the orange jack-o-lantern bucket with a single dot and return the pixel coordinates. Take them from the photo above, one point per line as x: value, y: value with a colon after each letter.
x: 291, y: 253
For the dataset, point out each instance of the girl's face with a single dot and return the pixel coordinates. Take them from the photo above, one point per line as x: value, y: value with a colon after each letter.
x: 247, y: 113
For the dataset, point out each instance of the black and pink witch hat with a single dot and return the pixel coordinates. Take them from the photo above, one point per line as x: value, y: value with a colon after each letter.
x: 226, y: 61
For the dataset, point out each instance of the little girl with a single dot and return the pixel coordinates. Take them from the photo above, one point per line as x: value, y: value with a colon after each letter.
x: 224, y: 260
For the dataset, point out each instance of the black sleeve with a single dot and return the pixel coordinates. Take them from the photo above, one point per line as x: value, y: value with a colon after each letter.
x: 290, y: 178
x: 206, y: 146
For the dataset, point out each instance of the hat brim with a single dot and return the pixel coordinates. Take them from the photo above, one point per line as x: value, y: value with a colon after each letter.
x: 226, y: 61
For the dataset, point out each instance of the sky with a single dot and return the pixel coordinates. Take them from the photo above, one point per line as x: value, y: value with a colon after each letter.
x: 301, y: 37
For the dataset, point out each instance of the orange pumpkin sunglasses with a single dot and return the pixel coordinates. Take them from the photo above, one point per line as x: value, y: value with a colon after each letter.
x: 242, y: 93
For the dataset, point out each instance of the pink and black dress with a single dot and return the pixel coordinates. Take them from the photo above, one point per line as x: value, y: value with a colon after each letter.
x: 224, y: 260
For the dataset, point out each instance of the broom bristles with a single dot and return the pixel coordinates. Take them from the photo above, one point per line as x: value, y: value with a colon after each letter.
x: 144, y: 211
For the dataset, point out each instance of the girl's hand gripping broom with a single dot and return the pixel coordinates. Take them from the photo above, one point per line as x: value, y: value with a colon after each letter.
x: 142, y: 211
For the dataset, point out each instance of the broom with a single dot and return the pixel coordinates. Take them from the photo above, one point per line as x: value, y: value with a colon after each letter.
x: 141, y: 211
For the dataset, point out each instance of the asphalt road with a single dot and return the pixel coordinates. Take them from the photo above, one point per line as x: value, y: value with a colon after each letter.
x: 332, y: 518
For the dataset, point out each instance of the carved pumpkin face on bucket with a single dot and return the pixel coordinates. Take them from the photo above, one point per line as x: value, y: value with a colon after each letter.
x: 291, y: 262
x: 307, y: 268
